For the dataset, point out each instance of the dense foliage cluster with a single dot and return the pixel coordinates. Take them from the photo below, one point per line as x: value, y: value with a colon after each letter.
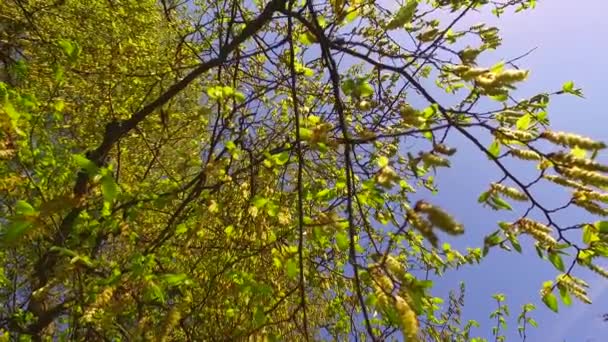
x: 197, y: 170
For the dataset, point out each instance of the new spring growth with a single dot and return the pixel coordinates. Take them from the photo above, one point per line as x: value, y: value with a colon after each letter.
x: 439, y: 218
x: 495, y: 82
x: 572, y: 140
x: 171, y: 320
x: 599, y: 270
x: 537, y: 230
x: 591, y: 207
x: 509, y: 192
x: 444, y: 149
x: 586, y: 195
x: 527, y: 225
x: 511, y: 134
x: 428, y: 35
x: 407, y: 319
x: 423, y: 226
x: 382, y: 280
x: 386, y: 176
x: 433, y: 160
x: 587, y: 177
x: 394, y: 267
x: 564, y: 281
x: 469, y: 55
x: 410, y: 116
x: 509, y: 114
x: 564, y: 181
x: 101, y: 300
x: 571, y: 160
x: 524, y: 154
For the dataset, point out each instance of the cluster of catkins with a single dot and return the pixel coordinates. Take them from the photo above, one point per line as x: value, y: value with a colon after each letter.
x: 537, y: 230
x: 489, y: 82
x: 435, y: 217
x: 575, y: 286
x: 96, y: 307
x: 579, y: 173
x: 399, y: 303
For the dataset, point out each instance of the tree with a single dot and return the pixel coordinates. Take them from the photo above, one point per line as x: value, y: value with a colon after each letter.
x: 237, y: 170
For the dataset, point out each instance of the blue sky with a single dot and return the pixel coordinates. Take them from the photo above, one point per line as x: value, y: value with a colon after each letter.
x: 569, y: 38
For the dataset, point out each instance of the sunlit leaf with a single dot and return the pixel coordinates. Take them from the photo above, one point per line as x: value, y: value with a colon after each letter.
x: 550, y: 301
x: 403, y: 16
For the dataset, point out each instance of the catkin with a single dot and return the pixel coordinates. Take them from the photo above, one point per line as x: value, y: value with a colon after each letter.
x: 599, y: 270
x: 423, y: 226
x: 407, y: 319
x: 588, y: 177
x: 434, y: 160
x: 572, y: 140
x: 509, y: 192
x: 443, y: 149
x: 571, y: 160
x: 511, y: 134
x: 563, y: 181
x: 440, y: 218
x: 591, y: 207
x: 524, y: 154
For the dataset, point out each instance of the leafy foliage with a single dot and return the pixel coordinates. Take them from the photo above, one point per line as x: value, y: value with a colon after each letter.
x: 236, y: 170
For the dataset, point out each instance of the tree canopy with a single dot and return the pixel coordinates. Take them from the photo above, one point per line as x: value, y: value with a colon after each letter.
x: 197, y: 170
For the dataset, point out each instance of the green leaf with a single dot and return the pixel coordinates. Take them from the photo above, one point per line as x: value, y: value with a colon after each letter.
x: 85, y: 164
x: 490, y: 241
x: 568, y: 87
x: 109, y: 188
x: 602, y: 226
x: 259, y: 317
x: 557, y: 261
x: 71, y: 49
x: 494, y: 149
x: 281, y: 158
x: 230, y: 145
x: 498, y: 67
x: 156, y: 292
x: 578, y: 152
x: 15, y: 230
x: 515, y: 243
x: 66, y: 46
x: 305, y: 133
x: 259, y: 202
x: 324, y: 195
x: 483, y: 197
x: 589, y: 234
x: 364, y: 89
x: 551, y: 301
x: 565, y: 296
x: 174, y: 279
x: 539, y: 251
x: 353, y: 13
x: 348, y: 86
x: 403, y: 16
x: 500, y: 203
x: 500, y: 97
x: 25, y: 209
x: 238, y: 96
x: 291, y: 267
x: 382, y: 161
x: 342, y: 241
x: 524, y: 122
